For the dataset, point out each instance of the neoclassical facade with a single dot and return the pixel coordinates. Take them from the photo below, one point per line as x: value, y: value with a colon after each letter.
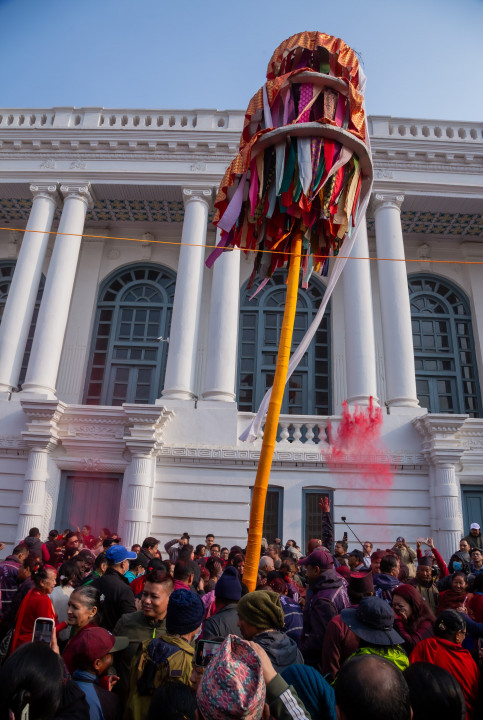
x: 128, y: 370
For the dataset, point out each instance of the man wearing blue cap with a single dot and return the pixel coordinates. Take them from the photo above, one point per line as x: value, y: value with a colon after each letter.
x: 118, y: 596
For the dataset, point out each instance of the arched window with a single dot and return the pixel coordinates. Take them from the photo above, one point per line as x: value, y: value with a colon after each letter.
x: 7, y: 268
x: 444, y: 354
x: 260, y: 324
x: 129, y: 348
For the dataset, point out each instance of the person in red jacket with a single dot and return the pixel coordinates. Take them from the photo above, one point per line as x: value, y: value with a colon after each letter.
x: 35, y: 604
x: 444, y: 650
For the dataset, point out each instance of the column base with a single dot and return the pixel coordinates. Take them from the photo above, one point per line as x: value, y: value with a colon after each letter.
x: 219, y: 396
x: 405, y: 409
x: 175, y: 394
x: 363, y: 400
x: 30, y: 391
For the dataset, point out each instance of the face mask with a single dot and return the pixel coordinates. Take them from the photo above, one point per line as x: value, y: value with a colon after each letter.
x: 457, y: 566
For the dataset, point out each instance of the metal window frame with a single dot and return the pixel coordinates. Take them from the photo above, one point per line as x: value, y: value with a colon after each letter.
x: 459, y: 396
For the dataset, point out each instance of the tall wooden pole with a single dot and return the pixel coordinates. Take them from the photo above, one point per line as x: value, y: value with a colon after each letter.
x: 271, y: 425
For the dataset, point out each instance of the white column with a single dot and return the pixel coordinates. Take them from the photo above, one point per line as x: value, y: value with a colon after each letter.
x: 395, y: 308
x: 222, y: 355
x: 179, y: 382
x: 448, y: 517
x: 54, y: 309
x: 359, y: 324
x: 137, y: 523
x: 41, y: 436
x: 443, y: 447
x: 143, y: 440
x: 22, y: 294
x: 31, y: 511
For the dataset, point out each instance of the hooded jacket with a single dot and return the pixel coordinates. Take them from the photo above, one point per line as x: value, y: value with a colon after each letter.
x: 166, y: 659
x: 384, y: 586
x: 456, y: 660
x: 326, y: 597
x: 281, y: 649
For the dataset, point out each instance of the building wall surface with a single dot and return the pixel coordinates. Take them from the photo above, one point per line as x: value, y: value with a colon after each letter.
x: 177, y: 464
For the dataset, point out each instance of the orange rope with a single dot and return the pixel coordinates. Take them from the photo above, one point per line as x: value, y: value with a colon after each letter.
x: 254, y: 250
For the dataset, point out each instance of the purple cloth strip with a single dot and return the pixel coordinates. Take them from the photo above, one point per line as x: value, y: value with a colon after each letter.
x: 285, y: 93
x: 276, y: 111
x: 253, y: 191
x: 226, y: 238
x: 230, y: 216
x: 260, y: 287
x: 340, y: 112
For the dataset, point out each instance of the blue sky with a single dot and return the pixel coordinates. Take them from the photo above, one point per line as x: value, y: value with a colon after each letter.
x: 423, y: 58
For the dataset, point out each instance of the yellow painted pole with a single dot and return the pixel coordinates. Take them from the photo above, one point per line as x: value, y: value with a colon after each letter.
x: 257, y: 510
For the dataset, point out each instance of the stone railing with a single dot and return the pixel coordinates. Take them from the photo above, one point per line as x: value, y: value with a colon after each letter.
x: 294, y: 429
x: 107, y: 119
x: 447, y: 131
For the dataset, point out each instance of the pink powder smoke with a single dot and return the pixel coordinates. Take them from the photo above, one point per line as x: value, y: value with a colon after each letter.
x: 357, y: 446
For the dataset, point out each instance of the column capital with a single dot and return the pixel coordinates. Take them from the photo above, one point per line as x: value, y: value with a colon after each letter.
x: 48, y: 190
x: 146, y: 425
x: 42, y: 423
x: 197, y: 194
x: 387, y: 200
x: 441, y: 436
x: 81, y: 191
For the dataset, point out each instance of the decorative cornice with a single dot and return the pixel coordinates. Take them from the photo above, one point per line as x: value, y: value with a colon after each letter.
x: 311, y: 457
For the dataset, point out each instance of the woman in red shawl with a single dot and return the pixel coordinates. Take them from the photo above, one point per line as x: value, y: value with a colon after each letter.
x: 35, y: 604
x: 413, y: 616
x: 457, y: 596
x: 444, y: 650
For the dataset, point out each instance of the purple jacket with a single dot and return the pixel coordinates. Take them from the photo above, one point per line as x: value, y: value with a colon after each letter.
x: 8, y: 582
x: 324, y: 599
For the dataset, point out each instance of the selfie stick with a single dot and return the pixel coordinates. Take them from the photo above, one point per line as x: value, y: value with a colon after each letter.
x: 352, y: 531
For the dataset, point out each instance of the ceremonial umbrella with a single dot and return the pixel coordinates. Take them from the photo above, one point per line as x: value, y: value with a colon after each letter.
x: 295, y: 195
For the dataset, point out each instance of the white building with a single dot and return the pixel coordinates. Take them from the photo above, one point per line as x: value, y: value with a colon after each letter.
x: 128, y: 369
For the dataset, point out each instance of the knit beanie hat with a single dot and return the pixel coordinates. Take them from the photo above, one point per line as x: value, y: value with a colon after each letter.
x: 185, y: 612
x: 232, y: 684
x: 262, y: 609
x: 313, y: 689
x: 228, y: 586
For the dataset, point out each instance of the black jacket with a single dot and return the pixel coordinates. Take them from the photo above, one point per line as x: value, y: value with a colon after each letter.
x: 222, y: 623
x: 118, y: 597
x: 325, y: 598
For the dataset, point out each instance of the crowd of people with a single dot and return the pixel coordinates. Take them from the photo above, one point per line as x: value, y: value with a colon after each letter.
x: 90, y: 629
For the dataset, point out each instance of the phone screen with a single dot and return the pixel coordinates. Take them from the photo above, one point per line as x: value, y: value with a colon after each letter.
x: 205, y: 649
x: 43, y: 629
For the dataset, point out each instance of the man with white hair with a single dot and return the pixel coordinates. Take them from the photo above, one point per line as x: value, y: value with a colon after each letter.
x: 474, y: 538
x: 266, y: 564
